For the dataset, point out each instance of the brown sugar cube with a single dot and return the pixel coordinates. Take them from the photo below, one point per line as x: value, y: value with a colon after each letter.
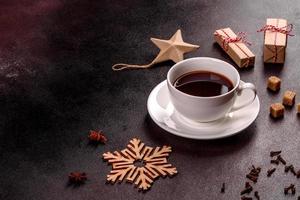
x: 289, y: 98
x: 276, y: 110
x: 274, y: 83
x: 298, y: 108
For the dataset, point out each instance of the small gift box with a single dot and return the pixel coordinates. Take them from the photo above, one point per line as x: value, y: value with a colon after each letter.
x: 235, y: 46
x: 276, y: 32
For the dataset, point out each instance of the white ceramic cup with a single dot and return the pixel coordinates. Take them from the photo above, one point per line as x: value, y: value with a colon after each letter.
x: 206, y: 109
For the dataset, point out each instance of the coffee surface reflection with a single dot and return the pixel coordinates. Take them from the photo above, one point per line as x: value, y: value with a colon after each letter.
x: 203, y: 84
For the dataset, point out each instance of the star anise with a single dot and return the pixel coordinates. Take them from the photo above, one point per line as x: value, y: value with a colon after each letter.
x: 77, y: 177
x: 97, y: 136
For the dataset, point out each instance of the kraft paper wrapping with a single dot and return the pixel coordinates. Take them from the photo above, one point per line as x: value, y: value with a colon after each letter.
x: 238, y: 51
x: 275, y: 42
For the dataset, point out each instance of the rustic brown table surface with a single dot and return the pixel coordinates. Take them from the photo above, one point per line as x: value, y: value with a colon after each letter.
x: 56, y: 84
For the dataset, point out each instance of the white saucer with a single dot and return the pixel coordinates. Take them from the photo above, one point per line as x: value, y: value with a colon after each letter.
x: 164, y: 115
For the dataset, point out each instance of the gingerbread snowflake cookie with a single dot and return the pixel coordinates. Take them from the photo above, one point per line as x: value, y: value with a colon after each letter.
x: 139, y: 164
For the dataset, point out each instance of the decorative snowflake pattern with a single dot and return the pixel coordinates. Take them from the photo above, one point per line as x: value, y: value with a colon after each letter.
x: 153, y: 163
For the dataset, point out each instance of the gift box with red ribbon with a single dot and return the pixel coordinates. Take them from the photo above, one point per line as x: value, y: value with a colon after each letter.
x: 235, y: 46
x: 275, y: 39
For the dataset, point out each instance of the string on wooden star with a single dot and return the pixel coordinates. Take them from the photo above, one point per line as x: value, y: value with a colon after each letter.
x: 172, y: 49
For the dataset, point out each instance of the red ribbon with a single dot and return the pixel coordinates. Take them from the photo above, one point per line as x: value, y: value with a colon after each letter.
x: 241, y: 37
x: 285, y: 30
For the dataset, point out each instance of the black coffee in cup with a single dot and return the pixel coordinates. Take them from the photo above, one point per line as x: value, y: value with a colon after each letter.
x: 203, y: 84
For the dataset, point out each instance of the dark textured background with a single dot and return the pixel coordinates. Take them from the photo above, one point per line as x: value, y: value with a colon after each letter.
x: 56, y: 84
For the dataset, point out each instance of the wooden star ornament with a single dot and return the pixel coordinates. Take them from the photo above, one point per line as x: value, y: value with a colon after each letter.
x: 172, y: 49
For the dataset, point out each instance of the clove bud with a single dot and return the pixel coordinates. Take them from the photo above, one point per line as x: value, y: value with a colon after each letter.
x: 275, y: 162
x: 290, y: 168
x: 291, y: 187
x: 223, y: 188
x: 281, y: 159
x: 247, y: 190
x: 270, y: 172
x: 256, y: 195
x: 275, y: 153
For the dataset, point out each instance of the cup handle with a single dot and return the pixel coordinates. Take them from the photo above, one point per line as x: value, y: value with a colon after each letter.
x: 244, y: 86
